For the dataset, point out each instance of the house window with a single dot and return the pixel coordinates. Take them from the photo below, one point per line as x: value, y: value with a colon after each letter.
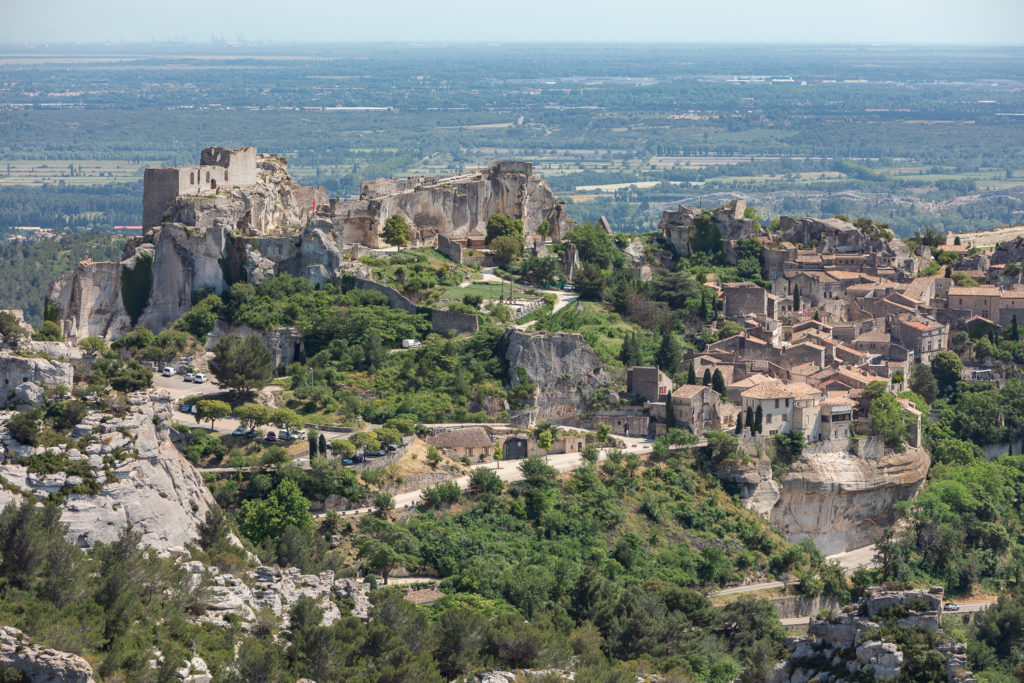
x: 776, y: 403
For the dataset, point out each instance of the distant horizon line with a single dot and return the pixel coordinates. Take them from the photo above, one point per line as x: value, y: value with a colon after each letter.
x: 242, y: 43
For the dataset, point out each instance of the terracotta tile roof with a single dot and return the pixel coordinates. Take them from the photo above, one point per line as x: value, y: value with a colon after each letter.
x: 688, y: 391
x: 470, y: 437
x: 779, y: 389
x: 984, y: 290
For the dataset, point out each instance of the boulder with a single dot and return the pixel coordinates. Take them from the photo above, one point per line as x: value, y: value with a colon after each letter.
x: 41, y: 372
x: 843, y: 501
x: 564, y: 368
x: 28, y: 395
x: 41, y: 665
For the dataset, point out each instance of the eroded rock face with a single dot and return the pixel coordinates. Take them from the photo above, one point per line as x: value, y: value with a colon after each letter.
x: 277, y: 589
x: 843, y: 501
x: 758, y: 491
x: 41, y: 665
x: 457, y: 207
x: 564, y: 368
x: 90, y: 300
x: 728, y: 219
x: 153, y: 487
x: 16, y: 371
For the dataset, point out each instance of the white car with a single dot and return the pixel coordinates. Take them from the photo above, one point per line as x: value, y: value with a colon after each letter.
x: 199, y: 378
x: 189, y: 377
x: 168, y: 372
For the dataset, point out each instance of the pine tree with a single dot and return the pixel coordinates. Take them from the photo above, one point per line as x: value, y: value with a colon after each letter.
x: 706, y: 379
x: 758, y: 420
x: 691, y: 374
x: 796, y: 298
x: 739, y: 423
x: 718, y: 382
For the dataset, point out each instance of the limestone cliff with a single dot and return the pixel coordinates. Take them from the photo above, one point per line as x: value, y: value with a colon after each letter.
x: 89, y: 298
x: 565, y: 369
x: 457, y: 207
x: 16, y: 370
x: 145, y: 480
x: 729, y: 219
x: 844, y: 501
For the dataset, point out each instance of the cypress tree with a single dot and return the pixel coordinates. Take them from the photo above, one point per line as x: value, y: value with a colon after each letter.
x: 706, y: 380
x: 630, y: 353
x: 323, y: 445
x: 758, y: 420
x: 1014, y: 329
x: 718, y: 382
x: 739, y: 423
x: 691, y: 375
x: 669, y: 353
x: 750, y: 419
x: 796, y: 298
x: 670, y: 416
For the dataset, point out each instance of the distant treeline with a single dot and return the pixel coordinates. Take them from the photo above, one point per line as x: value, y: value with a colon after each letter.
x: 80, y: 207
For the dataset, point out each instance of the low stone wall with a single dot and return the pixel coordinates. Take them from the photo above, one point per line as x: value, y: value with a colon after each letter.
x: 444, y: 322
x: 792, y: 606
x: 395, y: 298
x: 449, y: 248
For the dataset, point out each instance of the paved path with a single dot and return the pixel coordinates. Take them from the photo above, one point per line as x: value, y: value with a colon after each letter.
x: 964, y: 607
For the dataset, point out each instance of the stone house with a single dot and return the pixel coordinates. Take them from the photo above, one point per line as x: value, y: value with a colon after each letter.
x: 816, y: 286
x: 648, y: 383
x: 474, y: 442
x: 785, y: 407
x: 742, y: 298
x: 923, y: 336
x: 695, y: 406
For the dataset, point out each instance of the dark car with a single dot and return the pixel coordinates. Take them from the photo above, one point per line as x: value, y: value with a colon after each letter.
x: 357, y: 458
x: 391, y: 448
x: 347, y: 461
x: 271, y: 436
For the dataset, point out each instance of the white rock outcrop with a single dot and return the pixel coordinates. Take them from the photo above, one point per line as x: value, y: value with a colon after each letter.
x: 41, y: 665
x: 844, y: 501
x: 16, y: 370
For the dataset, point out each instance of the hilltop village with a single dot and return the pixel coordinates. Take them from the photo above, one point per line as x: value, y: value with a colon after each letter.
x: 781, y: 388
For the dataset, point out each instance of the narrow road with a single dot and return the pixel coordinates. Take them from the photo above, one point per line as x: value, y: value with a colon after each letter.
x: 964, y: 607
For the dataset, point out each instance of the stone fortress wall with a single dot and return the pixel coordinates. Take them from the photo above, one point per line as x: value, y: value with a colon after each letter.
x: 219, y: 168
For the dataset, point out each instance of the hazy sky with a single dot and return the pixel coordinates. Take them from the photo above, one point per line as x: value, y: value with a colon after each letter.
x: 688, y: 21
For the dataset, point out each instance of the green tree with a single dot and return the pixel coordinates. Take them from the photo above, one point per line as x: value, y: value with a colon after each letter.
x: 796, y: 297
x: 383, y: 504
x: 691, y: 374
x: 211, y: 410
x: 484, y: 480
x: 366, y: 441
x: 705, y: 237
x: 267, y: 518
x: 322, y: 446
x: 287, y: 419
x: 670, y: 354
x: 718, y: 382
x: 503, y: 225
x: 396, y: 231
x: 630, y: 352
x: 603, y: 432
x: 922, y: 382
x: 889, y: 420
x: 590, y: 281
x: 595, y: 246
x: 758, y: 421
x: 706, y: 379
x: 506, y: 249
x: 242, y: 365
x: 343, y: 448
x: 375, y: 353
x: 947, y: 369
x: 11, y: 330
x: 1014, y: 328
x: 50, y: 331
x: 93, y: 346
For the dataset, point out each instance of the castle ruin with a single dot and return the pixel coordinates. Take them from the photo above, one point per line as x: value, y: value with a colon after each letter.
x: 219, y: 168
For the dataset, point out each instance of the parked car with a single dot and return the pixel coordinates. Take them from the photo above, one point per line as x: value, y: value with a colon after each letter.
x: 271, y: 436
x: 347, y: 461
x: 239, y: 431
x: 357, y: 458
x: 168, y: 372
x: 188, y: 377
x: 199, y: 378
x: 194, y: 410
x: 253, y: 434
x: 951, y: 607
x: 185, y: 408
x: 391, y: 448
